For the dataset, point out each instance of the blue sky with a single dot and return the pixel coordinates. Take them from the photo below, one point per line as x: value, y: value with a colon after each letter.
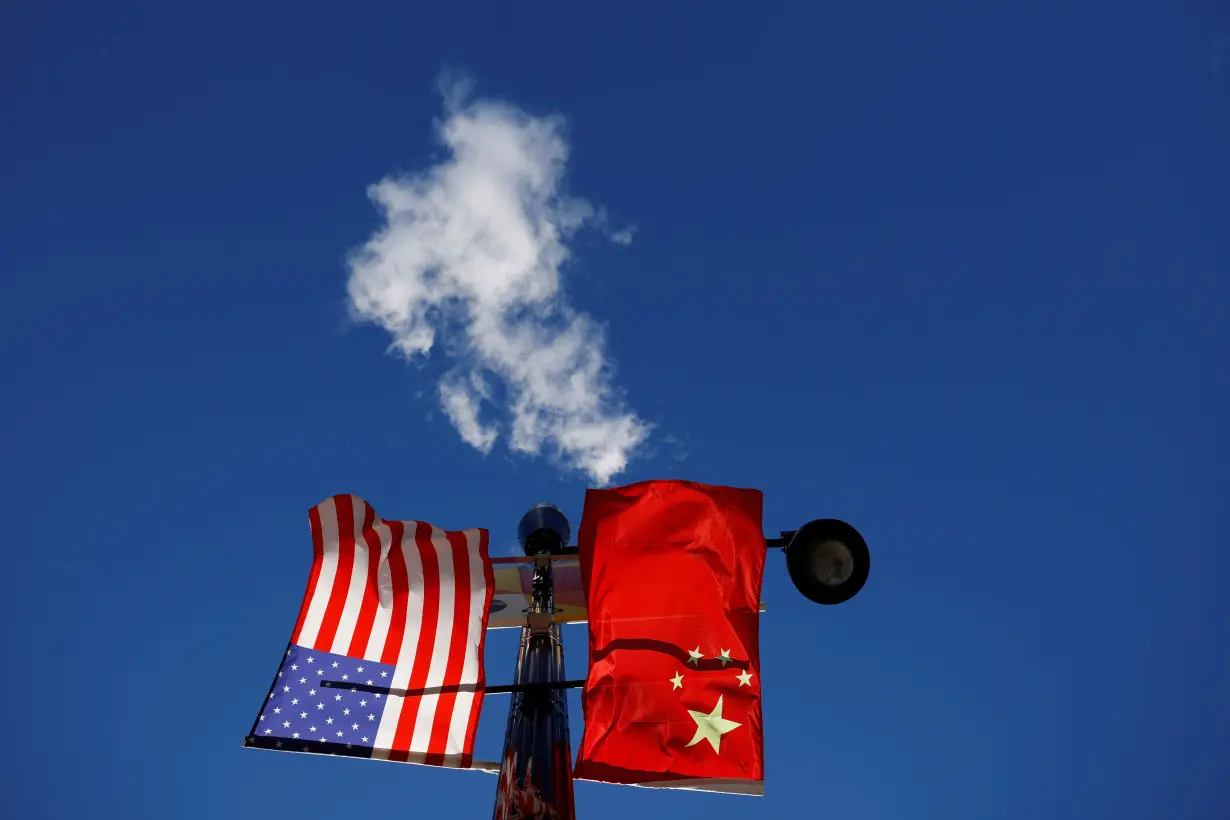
x: 954, y: 272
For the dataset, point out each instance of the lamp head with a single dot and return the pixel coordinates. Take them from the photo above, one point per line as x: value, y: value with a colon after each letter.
x: 828, y: 561
x: 544, y: 529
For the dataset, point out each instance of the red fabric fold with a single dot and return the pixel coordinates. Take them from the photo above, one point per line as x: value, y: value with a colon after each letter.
x: 672, y: 572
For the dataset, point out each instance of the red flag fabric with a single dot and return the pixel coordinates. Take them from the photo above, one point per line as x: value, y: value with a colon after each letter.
x: 672, y: 572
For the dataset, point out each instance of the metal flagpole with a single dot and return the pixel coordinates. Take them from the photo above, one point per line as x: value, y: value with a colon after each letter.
x: 536, y: 767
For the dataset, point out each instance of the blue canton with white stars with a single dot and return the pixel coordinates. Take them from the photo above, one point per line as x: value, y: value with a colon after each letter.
x: 323, y: 703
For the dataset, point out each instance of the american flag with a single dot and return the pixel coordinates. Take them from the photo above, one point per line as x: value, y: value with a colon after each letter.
x: 386, y: 659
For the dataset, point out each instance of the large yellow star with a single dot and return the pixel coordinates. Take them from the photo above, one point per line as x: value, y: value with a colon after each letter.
x: 712, y: 726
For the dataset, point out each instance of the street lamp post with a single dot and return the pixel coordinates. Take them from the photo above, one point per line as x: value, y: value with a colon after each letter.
x: 536, y: 767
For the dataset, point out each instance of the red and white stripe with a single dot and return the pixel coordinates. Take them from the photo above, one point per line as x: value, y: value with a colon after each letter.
x: 407, y: 594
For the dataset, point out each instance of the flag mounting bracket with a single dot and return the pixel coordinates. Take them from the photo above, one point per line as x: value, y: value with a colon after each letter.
x: 780, y: 542
x: 527, y: 687
x: 540, y: 623
x: 502, y: 689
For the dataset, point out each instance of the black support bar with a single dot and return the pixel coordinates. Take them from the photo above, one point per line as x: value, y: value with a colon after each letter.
x: 771, y: 543
x: 529, y: 687
x: 503, y: 689
x: 779, y: 543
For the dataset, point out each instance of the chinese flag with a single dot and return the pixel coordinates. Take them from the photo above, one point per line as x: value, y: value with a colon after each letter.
x: 672, y: 573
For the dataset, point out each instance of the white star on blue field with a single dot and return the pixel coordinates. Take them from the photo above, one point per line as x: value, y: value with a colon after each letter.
x: 316, y: 704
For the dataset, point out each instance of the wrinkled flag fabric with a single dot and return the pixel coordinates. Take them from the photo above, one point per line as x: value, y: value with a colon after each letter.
x: 672, y: 572
x: 386, y: 658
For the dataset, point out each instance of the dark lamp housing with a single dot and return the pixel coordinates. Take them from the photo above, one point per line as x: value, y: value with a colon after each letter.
x: 544, y: 529
x: 828, y: 561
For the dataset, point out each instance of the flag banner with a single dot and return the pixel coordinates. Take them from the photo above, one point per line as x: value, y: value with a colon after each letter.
x: 386, y: 658
x: 672, y: 572
x: 514, y: 582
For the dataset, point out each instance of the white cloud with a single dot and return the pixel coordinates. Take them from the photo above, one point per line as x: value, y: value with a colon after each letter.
x: 471, y: 256
x: 624, y: 235
x: 461, y: 404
